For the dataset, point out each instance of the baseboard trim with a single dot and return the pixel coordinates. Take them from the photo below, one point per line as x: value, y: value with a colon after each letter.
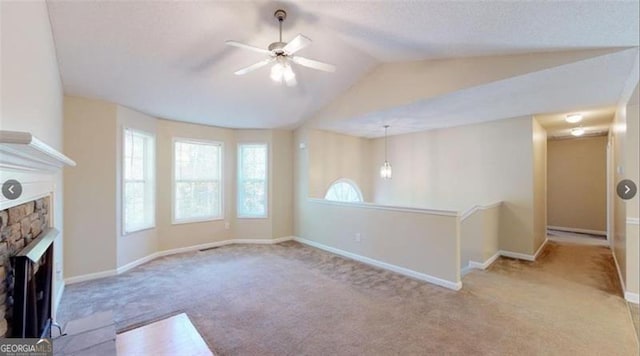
x: 56, y: 303
x: 90, y: 276
x: 524, y: 256
x: 262, y: 241
x: 138, y: 262
x: 485, y: 264
x: 633, y: 221
x: 384, y: 265
x: 517, y: 255
x: 628, y: 296
x: 580, y: 231
x: 544, y: 243
x: 632, y: 297
x: 153, y: 256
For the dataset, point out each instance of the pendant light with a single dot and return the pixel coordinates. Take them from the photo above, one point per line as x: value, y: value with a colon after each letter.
x: 385, y: 169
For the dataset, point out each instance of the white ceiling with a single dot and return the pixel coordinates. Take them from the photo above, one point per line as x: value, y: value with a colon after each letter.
x: 576, y: 87
x: 168, y: 59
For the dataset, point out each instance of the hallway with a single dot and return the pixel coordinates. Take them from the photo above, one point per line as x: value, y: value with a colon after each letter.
x: 572, y: 286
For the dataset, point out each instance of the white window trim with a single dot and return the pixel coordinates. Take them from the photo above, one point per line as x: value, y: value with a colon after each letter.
x: 175, y: 221
x: 348, y: 181
x: 266, y: 182
x: 123, y: 181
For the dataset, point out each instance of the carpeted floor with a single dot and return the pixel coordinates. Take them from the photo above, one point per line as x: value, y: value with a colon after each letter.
x: 290, y: 299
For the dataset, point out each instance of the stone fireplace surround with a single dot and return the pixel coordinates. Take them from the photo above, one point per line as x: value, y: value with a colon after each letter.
x: 19, y: 225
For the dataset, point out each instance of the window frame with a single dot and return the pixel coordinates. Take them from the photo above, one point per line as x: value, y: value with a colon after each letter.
x: 153, y: 190
x: 266, y: 181
x: 175, y: 221
x: 352, y: 184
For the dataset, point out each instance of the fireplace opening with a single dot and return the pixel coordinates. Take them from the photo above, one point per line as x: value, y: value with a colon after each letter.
x: 26, y: 269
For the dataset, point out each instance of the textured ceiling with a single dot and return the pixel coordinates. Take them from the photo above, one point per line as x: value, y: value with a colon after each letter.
x: 575, y: 87
x: 169, y: 59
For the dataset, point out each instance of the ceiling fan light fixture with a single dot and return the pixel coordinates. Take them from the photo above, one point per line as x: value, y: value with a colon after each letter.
x: 573, y: 118
x: 277, y: 72
x: 281, y: 72
x: 283, y: 54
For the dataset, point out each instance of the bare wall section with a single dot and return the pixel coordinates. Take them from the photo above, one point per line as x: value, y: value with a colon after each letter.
x: 90, y: 187
x: 577, y: 183
x: 458, y: 168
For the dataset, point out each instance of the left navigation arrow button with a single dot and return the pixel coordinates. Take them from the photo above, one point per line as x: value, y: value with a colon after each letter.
x: 11, y: 189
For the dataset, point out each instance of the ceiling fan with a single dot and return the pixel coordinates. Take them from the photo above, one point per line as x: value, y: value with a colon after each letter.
x: 282, y: 54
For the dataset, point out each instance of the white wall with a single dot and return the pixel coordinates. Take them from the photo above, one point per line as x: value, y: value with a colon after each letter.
x: 31, y: 90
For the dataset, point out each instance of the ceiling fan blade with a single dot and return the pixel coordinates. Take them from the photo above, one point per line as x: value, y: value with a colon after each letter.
x: 296, y: 44
x: 313, y: 64
x: 254, y: 66
x: 246, y: 46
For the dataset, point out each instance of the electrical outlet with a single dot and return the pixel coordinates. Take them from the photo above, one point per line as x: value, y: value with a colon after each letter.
x: 358, y: 237
x: 227, y: 225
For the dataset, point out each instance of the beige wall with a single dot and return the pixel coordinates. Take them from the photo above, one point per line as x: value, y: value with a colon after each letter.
x: 31, y: 91
x: 421, y: 242
x: 480, y: 235
x: 90, y: 187
x: 100, y: 150
x: 282, y: 183
x: 632, y: 168
x: 171, y: 235
x: 336, y: 156
x: 623, y: 139
x: 577, y: 194
x: 139, y: 244
x: 539, y: 185
x: 458, y: 168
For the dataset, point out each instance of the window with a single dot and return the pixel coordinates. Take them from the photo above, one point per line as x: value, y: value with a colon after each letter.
x: 344, y: 190
x: 252, y: 180
x: 197, y: 183
x: 138, y: 181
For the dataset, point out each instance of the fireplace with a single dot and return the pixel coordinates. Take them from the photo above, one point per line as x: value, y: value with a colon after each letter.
x: 27, y: 223
x: 26, y: 268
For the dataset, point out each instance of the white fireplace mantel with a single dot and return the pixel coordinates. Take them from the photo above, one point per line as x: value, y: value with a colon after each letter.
x: 25, y: 152
x: 31, y: 162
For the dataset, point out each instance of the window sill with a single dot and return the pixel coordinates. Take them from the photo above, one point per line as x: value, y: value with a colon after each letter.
x: 266, y: 217
x: 127, y: 233
x: 194, y: 221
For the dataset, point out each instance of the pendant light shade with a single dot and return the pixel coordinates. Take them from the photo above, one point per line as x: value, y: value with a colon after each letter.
x: 385, y: 169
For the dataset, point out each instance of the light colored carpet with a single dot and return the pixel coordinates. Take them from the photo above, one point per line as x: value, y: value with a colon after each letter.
x: 290, y: 299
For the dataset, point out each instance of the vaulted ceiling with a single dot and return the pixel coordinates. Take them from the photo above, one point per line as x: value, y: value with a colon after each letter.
x: 169, y: 59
